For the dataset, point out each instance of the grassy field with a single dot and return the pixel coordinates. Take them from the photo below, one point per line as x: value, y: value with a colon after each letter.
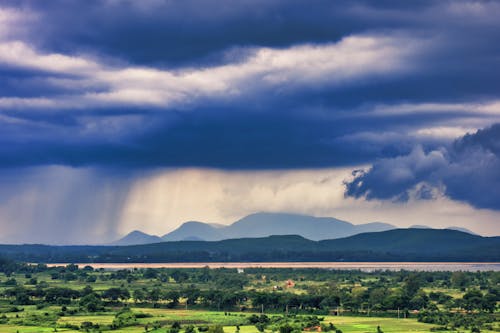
x: 25, y: 305
x: 345, y: 323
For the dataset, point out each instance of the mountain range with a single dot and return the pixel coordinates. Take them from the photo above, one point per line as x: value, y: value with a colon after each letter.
x: 392, y: 245
x: 263, y: 225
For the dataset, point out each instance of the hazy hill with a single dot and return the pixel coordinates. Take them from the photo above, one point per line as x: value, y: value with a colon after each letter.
x: 462, y: 230
x: 418, y: 226
x: 137, y: 237
x: 416, y: 241
x: 267, y: 224
x: 392, y: 245
x: 199, y: 230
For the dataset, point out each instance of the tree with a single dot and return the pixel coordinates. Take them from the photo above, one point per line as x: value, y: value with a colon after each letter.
x: 150, y: 273
x: 285, y: 328
x: 179, y: 276
x: 175, y: 328
x: 115, y: 294
x: 172, y: 296
x: 189, y: 329
x: 377, y: 297
x: 72, y: 267
x: 86, y: 291
x: 154, y: 295
x: 420, y: 300
x: 216, y: 329
x: 91, y: 303
x: 260, y: 326
x: 472, y: 300
x: 139, y: 295
x: 412, y: 285
x: 459, y: 279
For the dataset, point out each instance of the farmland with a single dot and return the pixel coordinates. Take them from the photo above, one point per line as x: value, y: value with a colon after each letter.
x: 37, y: 298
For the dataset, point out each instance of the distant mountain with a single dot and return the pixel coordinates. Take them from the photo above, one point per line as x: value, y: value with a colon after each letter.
x: 217, y: 225
x: 264, y: 225
x: 136, y: 238
x: 423, y: 242
x: 462, y: 230
x: 267, y: 224
x: 419, y: 226
x: 195, y: 230
x: 393, y: 245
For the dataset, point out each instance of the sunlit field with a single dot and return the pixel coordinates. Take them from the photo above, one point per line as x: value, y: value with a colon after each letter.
x: 36, y: 298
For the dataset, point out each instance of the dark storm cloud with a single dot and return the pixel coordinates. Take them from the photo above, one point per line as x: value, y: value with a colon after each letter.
x: 243, y: 139
x: 172, y: 33
x: 183, y: 32
x: 98, y: 96
x: 223, y: 137
x: 229, y: 84
x: 468, y: 170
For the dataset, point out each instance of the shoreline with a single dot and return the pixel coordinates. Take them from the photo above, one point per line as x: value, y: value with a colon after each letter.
x: 371, y: 266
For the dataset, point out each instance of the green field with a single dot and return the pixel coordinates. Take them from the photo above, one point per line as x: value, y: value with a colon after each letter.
x: 199, y: 300
x: 345, y: 323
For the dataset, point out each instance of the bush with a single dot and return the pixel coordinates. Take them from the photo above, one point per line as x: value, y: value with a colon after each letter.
x: 216, y: 329
x: 285, y: 328
x: 176, y: 327
x: 88, y: 325
x: 189, y: 329
x: 260, y: 326
x: 11, y: 282
x: 143, y: 315
x: 70, y: 326
x: 124, y: 318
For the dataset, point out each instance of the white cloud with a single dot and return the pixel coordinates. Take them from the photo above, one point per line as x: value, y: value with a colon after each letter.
x: 482, y: 12
x: 353, y: 59
x: 13, y: 22
x: 162, y: 201
x: 465, y: 118
x: 443, y: 132
x: 66, y: 205
x: 19, y: 54
x: 489, y: 108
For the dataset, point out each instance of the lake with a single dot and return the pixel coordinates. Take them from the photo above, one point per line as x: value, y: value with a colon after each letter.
x: 364, y: 266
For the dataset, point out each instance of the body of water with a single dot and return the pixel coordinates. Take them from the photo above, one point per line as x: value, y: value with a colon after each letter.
x: 364, y: 266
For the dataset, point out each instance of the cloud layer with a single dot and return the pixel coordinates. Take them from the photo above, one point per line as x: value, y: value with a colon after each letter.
x: 61, y: 205
x: 110, y: 91
x: 341, y: 85
x: 468, y: 170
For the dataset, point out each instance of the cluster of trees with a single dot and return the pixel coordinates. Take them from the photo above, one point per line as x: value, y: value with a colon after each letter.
x: 321, y: 292
x: 291, y: 324
x: 87, y: 298
x: 454, y: 320
x: 404, y: 292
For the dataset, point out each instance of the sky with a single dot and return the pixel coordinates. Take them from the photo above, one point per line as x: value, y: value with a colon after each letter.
x: 120, y: 115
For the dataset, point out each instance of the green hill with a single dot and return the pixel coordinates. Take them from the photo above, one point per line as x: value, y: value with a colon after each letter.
x: 392, y: 245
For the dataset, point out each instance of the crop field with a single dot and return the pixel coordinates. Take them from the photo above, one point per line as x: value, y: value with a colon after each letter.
x: 36, y: 298
x: 344, y: 323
